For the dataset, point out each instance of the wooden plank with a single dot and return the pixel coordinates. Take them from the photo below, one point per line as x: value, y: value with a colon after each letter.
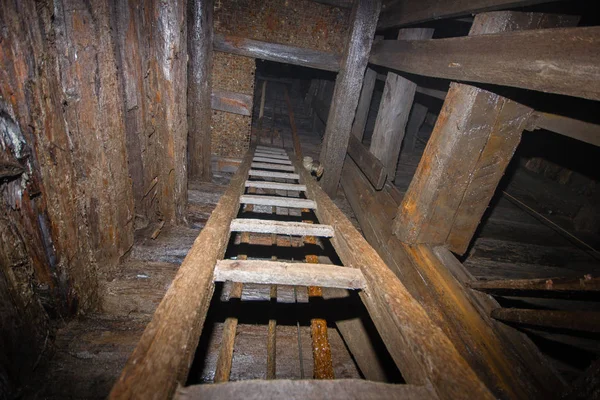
x: 422, y: 352
x: 278, y: 201
x: 415, y: 120
x: 586, y: 288
x: 272, y: 335
x: 276, y: 186
x: 398, y: 13
x: 163, y: 356
x: 280, y: 227
x: 364, y: 104
x: 537, y: 59
x: 508, y: 367
x: 472, y: 142
x: 277, y: 156
x: 199, y: 86
x: 277, y: 167
x: 266, y: 159
x: 273, y: 149
x: 584, y: 321
x: 373, y: 169
x: 295, y: 139
x: 394, y: 109
x: 348, y: 84
x: 231, y: 102
x: 277, y: 52
x: 271, y: 174
x: 285, y: 273
x: 573, y: 128
x: 304, y: 389
x: 225, y: 357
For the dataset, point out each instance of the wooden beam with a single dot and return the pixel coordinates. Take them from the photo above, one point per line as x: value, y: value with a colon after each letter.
x: 278, y: 201
x: 394, y: 109
x: 225, y: 357
x: 285, y: 273
x: 304, y: 389
x: 473, y: 140
x: 162, y: 357
x: 267, y: 159
x: 272, y: 166
x: 200, y: 64
x: 280, y: 227
x: 584, y: 321
x: 273, y: 174
x: 364, y: 104
x: 573, y: 128
x: 231, y: 102
x: 511, y: 368
x: 586, y: 288
x: 347, y: 92
x: 277, y: 52
x: 400, y: 13
x: 276, y: 185
x: 367, y: 162
x: 537, y: 59
x: 420, y: 349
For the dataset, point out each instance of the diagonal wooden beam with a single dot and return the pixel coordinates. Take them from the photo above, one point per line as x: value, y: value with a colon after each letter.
x: 346, y: 94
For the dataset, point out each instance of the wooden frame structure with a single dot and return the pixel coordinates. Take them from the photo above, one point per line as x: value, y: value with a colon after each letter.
x: 442, y: 336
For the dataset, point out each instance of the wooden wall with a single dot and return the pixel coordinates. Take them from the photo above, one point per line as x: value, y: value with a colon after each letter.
x: 93, y: 135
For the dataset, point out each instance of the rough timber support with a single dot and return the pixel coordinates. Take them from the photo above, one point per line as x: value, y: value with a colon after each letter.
x: 394, y: 109
x: 420, y: 349
x: 506, y: 360
x: 398, y: 13
x: 277, y: 52
x: 200, y: 39
x: 471, y: 145
x: 536, y: 59
x: 165, y: 351
x: 347, y: 92
x: 364, y: 104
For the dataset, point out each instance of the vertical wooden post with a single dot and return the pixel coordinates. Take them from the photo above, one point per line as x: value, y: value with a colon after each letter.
x: 200, y: 45
x: 347, y: 92
x: 472, y: 143
x: 364, y: 104
x: 397, y: 100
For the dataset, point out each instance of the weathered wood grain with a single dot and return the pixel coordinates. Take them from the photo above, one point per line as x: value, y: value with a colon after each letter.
x: 280, y: 227
x: 346, y: 94
x: 277, y: 52
x: 364, y: 104
x: 278, y: 201
x: 285, y: 273
x: 373, y: 169
x: 584, y: 321
x: 276, y: 186
x: 397, y: 13
x: 420, y: 349
x: 394, y: 109
x: 164, y: 354
x: 584, y: 288
x: 576, y: 129
x: 274, y: 166
x: 506, y: 371
x: 305, y: 389
x: 471, y: 144
x: 236, y: 103
x: 266, y: 159
x: 537, y: 60
x: 273, y: 174
x: 200, y: 42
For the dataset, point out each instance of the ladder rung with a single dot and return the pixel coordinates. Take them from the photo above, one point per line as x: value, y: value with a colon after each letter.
x: 284, y: 273
x: 276, y: 186
x: 273, y: 149
x: 277, y: 156
x: 273, y: 174
x: 272, y: 160
x: 277, y: 167
x: 280, y: 227
x: 291, y: 202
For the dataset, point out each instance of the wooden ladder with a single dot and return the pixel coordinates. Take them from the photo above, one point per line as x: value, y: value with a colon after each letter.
x: 425, y: 356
